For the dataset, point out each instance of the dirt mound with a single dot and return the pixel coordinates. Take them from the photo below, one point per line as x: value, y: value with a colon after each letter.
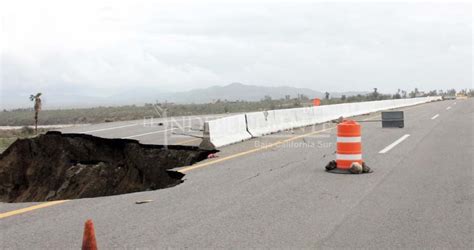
x: 59, y: 166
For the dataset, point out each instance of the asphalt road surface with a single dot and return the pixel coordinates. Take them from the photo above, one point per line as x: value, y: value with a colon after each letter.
x: 273, y: 192
x: 184, y: 130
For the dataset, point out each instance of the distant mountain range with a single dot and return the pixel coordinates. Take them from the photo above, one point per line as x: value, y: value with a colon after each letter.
x: 140, y: 96
x: 230, y: 92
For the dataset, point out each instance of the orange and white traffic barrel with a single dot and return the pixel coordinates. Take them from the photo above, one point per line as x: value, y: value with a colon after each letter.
x: 349, y: 145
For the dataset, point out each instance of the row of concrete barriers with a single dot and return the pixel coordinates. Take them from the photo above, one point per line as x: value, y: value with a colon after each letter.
x: 241, y: 127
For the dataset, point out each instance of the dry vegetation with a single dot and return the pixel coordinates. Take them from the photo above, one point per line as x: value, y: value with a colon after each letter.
x: 22, y: 117
x: 7, y: 137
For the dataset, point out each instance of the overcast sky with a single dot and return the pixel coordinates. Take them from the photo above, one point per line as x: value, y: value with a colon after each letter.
x: 107, y: 47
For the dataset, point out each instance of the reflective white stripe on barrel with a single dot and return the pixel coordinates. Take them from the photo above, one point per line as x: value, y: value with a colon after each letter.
x: 348, y: 139
x: 349, y: 157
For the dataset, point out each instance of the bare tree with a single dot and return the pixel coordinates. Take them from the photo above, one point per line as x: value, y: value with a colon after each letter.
x: 36, y: 98
x: 414, y: 93
x: 397, y: 95
x: 470, y: 92
x: 404, y: 93
x: 451, y: 92
x: 375, y: 94
x: 326, y: 95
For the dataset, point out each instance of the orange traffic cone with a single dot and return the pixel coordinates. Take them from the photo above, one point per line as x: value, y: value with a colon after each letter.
x: 348, y: 150
x: 88, y: 241
x: 349, y: 146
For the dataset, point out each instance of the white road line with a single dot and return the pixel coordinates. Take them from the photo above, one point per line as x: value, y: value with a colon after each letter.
x: 454, y: 103
x: 150, y: 133
x: 172, y: 119
x: 434, y: 117
x: 395, y: 143
x: 105, y: 129
x: 180, y: 119
x: 154, y: 132
x: 448, y: 108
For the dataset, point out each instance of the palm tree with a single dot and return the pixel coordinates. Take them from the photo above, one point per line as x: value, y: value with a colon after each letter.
x: 36, y: 98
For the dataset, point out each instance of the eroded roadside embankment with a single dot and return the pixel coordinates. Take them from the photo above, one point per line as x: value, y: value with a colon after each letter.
x: 57, y: 166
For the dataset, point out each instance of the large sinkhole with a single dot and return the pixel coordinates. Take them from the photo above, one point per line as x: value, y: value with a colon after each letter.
x: 57, y: 166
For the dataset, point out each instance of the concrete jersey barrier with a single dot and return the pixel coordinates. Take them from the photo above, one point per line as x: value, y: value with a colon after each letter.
x: 232, y: 129
x: 262, y: 123
x: 224, y: 131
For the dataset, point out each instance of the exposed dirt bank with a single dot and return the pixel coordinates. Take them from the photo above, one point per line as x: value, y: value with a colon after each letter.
x: 58, y: 166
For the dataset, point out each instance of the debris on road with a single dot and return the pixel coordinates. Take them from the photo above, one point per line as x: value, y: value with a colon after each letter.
x: 57, y: 166
x: 365, y: 168
x: 143, y: 201
x: 356, y: 168
x: 210, y: 156
x: 338, y: 120
x: 331, y: 165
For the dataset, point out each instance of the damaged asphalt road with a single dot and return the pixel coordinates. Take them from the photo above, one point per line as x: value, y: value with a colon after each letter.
x: 58, y: 166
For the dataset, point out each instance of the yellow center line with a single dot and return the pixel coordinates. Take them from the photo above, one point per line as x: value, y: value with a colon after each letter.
x: 205, y: 164
x: 28, y: 209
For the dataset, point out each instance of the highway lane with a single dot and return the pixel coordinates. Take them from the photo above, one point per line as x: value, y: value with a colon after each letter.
x: 429, y: 195
x: 420, y: 195
x: 171, y: 130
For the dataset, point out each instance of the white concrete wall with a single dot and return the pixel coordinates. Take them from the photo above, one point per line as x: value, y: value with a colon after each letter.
x: 225, y: 131
x: 232, y: 129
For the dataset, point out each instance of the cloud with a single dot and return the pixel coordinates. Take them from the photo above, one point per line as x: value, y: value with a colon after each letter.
x: 105, y: 47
